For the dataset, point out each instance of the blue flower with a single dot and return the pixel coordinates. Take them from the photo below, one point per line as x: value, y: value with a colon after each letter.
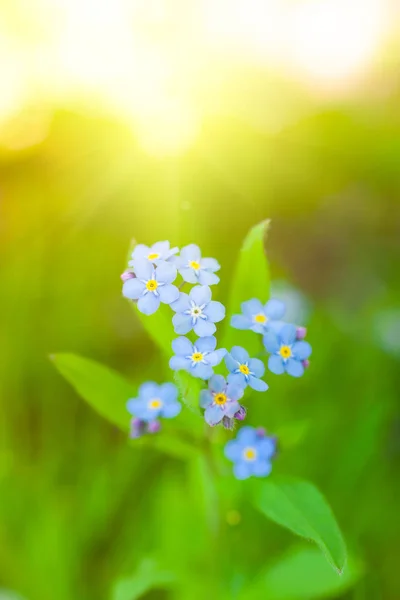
x: 245, y: 371
x: 287, y: 354
x: 157, y: 253
x: 151, y: 285
x: 259, y: 317
x: 198, y: 359
x: 155, y: 401
x: 220, y: 400
x: 195, y: 269
x: 251, y: 452
x: 197, y: 311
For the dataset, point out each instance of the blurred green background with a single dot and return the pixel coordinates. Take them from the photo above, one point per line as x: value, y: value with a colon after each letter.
x: 192, y: 121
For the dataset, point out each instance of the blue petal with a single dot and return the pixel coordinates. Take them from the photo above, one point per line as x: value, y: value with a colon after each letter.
x: 191, y: 252
x: 161, y: 248
x: 148, y: 304
x: 274, y: 309
x: 288, y: 334
x: 166, y: 273
x: 134, y: 404
x: 294, y: 368
x: 204, y: 328
x: 214, y: 358
x: 140, y: 252
x: 233, y: 450
x: 242, y: 470
x: 206, y: 278
x: 257, y: 367
x: 231, y: 363
x: 206, y: 398
x: 301, y: 350
x: 240, y: 322
x: 217, y: 383
x: 182, y: 323
x: 202, y: 371
x: 275, y: 326
x: 182, y: 347
x: 266, y: 447
x: 247, y: 436
x: 238, y: 380
x: 168, y: 392
x: 179, y: 363
x: 200, y: 294
x: 234, y: 391
x: 261, y: 468
x: 231, y: 408
x: 252, y: 307
x: 182, y: 304
x: 271, y: 342
x: 259, y: 327
x: 257, y: 384
x: 188, y: 275
x: 170, y: 410
x: 143, y: 269
x: 168, y: 293
x: 275, y: 364
x: 148, y: 390
x: 213, y: 414
x: 240, y: 354
x: 210, y: 264
x: 215, y: 311
x: 133, y: 289
x: 206, y: 344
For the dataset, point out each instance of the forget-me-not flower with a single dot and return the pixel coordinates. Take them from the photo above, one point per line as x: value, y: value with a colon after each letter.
x: 151, y: 285
x: 197, y: 311
x: 259, y: 317
x: 155, y: 401
x: 194, y: 268
x: 287, y: 354
x: 198, y: 358
x: 244, y: 370
x: 157, y: 253
x: 251, y: 452
x: 220, y: 400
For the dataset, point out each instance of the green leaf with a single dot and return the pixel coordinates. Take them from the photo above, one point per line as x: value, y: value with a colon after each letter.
x: 300, y: 507
x: 251, y: 279
x: 302, y: 574
x: 147, y: 577
x: 104, y: 389
x: 190, y: 388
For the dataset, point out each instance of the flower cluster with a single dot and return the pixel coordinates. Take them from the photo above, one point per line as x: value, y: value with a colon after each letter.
x: 151, y: 280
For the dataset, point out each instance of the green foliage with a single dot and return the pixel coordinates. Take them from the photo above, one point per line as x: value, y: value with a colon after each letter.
x: 302, y: 574
x: 250, y: 279
x: 105, y: 390
x: 300, y: 507
x: 147, y: 577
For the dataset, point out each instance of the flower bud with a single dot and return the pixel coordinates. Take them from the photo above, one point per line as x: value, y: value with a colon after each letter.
x: 260, y: 431
x: 153, y: 426
x: 301, y: 333
x: 306, y: 363
x: 127, y: 275
x: 137, y: 428
x: 240, y: 415
x: 228, y: 423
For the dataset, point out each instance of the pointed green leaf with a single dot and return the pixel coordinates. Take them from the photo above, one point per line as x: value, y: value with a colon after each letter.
x: 299, y: 506
x: 147, y: 577
x: 104, y: 389
x: 251, y: 279
x: 302, y: 574
x: 189, y: 388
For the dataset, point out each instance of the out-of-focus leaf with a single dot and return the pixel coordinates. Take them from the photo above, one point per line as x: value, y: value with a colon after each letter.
x: 250, y: 279
x: 303, y: 574
x: 189, y: 388
x: 291, y: 434
x: 299, y: 506
x: 104, y: 389
x: 147, y: 577
x: 204, y: 487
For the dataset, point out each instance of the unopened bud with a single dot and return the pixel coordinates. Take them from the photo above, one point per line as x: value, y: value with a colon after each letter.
x: 153, y: 427
x: 260, y: 431
x: 306, y: 363
x: 137, y: 428
x: 240, y: 415
x: 301, y: 333
x: 228, y: 423
x: 126, y: 275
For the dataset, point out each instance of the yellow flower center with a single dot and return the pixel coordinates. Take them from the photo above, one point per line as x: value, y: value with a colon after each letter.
x: 244, y: 369
x: 194, y: 265
x: 153, y: 256
x: 249, y: 454
x: 285, y: 351
x: 197, y: 357
x: 220, y: 399
x: 152, y: 285
x: 155, y: 403
x: 260, y: 318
